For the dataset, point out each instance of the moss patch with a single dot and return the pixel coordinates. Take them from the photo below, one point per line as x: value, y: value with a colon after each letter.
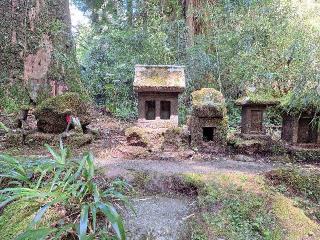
x: 136, y: 136
x: 241, y: 206
x: 174, y: 139
x: 209, y: 99
x: 16, y: 217
x: 260, y: 97
x: 65, y: 102
x: 306, y: 184
x: 159, y: 76
x: 305, y: 155
x: 296, y: 224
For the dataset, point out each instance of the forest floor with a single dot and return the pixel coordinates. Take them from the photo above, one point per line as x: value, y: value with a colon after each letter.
x: 169, y: 192
x: 189, y: 195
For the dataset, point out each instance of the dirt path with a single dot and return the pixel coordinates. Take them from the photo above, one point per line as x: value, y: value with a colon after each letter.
x: 157, y: 217
x: 115, y: 166
x: 162, y: 216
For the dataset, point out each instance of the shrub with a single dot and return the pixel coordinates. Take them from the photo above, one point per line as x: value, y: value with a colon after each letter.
x: 62, y: 183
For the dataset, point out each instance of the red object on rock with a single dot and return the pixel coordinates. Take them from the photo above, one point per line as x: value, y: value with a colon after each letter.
x: 68, y: 119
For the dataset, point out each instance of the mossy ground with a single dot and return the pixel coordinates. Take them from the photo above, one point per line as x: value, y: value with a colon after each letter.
x: 242, y: 206
x: 16, y: 217
x: 302, y: 186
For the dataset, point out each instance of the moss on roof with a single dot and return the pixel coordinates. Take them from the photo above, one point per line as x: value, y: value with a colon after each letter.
x: 208, y: 102
x: 259, y: 98
x: 159, y: 76
x: 304, y: 102
x: 207, y: 97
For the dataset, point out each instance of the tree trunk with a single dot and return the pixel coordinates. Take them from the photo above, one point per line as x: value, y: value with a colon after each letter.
x: 35, y: 46
x: 130, y: 12
x: 189, y: 12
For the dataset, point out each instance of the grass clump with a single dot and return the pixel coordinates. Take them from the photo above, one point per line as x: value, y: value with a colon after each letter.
x: 61, y: 199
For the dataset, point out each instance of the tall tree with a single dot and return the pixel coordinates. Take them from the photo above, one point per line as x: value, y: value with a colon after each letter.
x: 35, y: 44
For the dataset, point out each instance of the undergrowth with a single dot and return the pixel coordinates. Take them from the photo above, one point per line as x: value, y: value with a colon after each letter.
x: 58, y: 198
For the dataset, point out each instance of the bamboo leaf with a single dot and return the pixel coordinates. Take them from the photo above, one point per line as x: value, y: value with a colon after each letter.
x: 112, y: 215
x: 54, y: 154
x: 94, y: 216
x: 83, y: 222
x: 36, y: 234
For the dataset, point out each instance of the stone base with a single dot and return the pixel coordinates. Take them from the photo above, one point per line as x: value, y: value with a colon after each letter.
x: 37, y: 139
x: 255, y: 137
x: 157, y: 124
x: 303, y: 154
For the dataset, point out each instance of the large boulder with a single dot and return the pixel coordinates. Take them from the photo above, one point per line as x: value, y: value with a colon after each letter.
x: 51, y: 114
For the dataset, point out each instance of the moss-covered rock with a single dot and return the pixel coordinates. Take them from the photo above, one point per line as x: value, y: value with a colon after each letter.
x: 51, y: 113
x: 175, y: 138
x: 304, y: 154
x: 136, y: 136
x: 208, y: 102
x: 78, y: 140
x: 72, y: 139
x: 252, y: 146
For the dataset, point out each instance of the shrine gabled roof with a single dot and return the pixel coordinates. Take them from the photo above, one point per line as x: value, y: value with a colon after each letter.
x: 159, y: 78
x: 247, y: 101
x: 208, y: 102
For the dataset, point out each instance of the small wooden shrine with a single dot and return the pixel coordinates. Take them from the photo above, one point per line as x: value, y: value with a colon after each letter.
x: 158, y: 88
x: 252, y: 116
x: 301, y: 129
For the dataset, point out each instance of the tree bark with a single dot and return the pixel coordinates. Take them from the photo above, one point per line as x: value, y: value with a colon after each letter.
x: 130, y: 12
x: 35, y: 41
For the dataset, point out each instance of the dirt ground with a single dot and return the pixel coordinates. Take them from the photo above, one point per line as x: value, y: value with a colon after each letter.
x: 159, y: 214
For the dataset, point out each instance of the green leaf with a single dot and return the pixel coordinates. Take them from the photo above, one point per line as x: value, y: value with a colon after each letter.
x: 83, y: 222
x: 94, y: 216
x: 89, y: 166
x: 37, y: 234
x: 40, y: 179
x: 7, y: 201
x: 2, y: 126
x: 54, y: 154
x: 112, y: 215
x: 37, y: 218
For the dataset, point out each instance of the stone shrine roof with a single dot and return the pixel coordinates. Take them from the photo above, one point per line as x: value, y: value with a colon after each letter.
x: 251, y: 101
x: 159, y: 78
x: 208, y: 102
